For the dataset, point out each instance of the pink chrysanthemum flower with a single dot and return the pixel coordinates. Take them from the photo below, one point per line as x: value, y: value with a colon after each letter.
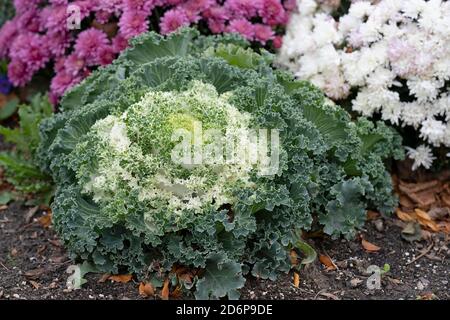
x: 193, y: 8
x: 278, y: 42
x: 7, y: 34
x: 31, y: 49
x: 133, y: 23
x: 243, y: 27
x: 171, y: 2
x: 111, y: 6
x: 216, y: 17
x: 106, y: 55
x: 172, y: 20
x: 119, y: 43
x: 73, y: 65
x: 29, y: 21
x: 145, y: 5
x: 59, y: 2
x: 243, y: 8
x: 216, y: 26
x: 25, y: 5
x: 62, y: 82
x: 54, y: 19
x: 290, y: 5
x: 18, y: 73
x: 58, y: 43
x: 59, y: 64
x: 263, y: 33
x: 89, y: 43
x: 273, y: 13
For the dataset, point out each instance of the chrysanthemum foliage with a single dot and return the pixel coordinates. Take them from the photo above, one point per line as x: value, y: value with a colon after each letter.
x: 123, y: 204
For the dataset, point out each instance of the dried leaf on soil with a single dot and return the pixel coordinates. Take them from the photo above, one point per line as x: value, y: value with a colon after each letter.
x: 293, y: 257
x: 165, y: 290
x: 14, y: 252
x: 104, y: 277
x: 368, y: 246
x: 372, y: 215
x: 296, y: 279
x: 146, y: 290
x: 412, y: 232
x: 122, y: 278
x: 34, y: 274
x: 35, y: 284
x: 327, y: 262
x: 425, y: 220
x: 29, y: 215
x: 176, y: 294
x: 46, y: 220
x: 406, y: 216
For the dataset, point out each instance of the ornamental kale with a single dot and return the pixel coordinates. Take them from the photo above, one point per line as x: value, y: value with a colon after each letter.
x: 123, y: 203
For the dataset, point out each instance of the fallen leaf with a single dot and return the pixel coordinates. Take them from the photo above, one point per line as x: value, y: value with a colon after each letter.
x: 372, y: 215
x: 122, y: 278
x: 3, y: 207
x: 427, y: 296
x: 293, y: 257
x: 394, y: 281
x: 58, y: 260
x: 296, y: 280
x: 355, y: 282
x: 406, y: 202
x: 35, y: 284
x: 14, y: 252
x: 405, y: 216
x: 165, y: 290
x: 422, y: 215
x: 104, y: 277
x: 327, y: 262
x: 56, y: 243
x: 46, y: 220
x: 176, y: 294
x: 186, y: 277
x: 329, y: 295
x: 370, y: 247
x: 412, y: 232
x: 29, y: 215
x: 146, y: 290
x: 425, y: 220
x: 34, y: 274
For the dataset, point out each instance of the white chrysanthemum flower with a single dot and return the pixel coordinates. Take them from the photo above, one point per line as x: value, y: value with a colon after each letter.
x: 394, y: 54
x: 306, y: 7
x: 433, y: 131
x: 422, y: 156
x: 424, y: 90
